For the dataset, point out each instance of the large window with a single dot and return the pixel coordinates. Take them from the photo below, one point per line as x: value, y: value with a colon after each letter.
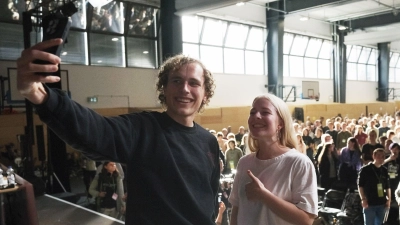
x: 120, y: 33
x: 306, y: 56
x: 224, y: 47
x: 361, y: 63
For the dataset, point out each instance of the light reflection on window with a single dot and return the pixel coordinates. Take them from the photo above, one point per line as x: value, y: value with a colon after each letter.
x: 296, y: 66
x: 191, y: 50
x: 311, y: 67
x: 191, y: 26
x: 236, y: 35
x: 371, y: 72
x: 351, y: 71
x: 313, y: 47
x: 299, y: 45
x: 361, y: 71
x: 394, y: 59
x: 326, y: 50
x: 287, y: 43
x: 324, y: 68
x: 234, y: 61
x: 365, y: 53
x: 212, y: 58
x: 213, y: 32
x: 254, y: 63
x: 256, y: 39
x: 372, y: 58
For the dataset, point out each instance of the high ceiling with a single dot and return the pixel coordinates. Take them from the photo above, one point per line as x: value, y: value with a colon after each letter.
x: 368, y: 21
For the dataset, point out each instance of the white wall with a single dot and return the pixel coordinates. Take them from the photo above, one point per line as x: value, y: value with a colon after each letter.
x: 139, y: 85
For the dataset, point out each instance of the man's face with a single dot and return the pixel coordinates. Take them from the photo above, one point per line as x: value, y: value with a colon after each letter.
x: 379, y: 157
x: 184, y: 93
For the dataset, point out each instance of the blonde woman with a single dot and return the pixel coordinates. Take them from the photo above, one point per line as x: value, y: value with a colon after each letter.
x: 276, y: 184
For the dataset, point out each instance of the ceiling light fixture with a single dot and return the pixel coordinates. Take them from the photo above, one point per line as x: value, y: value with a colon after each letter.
x: 99, y: 61
x: 304, y: 18
x: 342, y: 27
x: 145, y: 52
x: 240, y: 4
x: 64, y: 53
x: 114, y: 39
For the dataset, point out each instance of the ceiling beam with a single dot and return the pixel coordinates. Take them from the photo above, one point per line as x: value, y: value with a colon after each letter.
x: 374, y: 21
x: 294, y: 6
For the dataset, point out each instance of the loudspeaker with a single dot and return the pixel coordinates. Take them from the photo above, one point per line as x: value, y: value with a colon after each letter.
x: 299, y: 113
x: 40, y: 143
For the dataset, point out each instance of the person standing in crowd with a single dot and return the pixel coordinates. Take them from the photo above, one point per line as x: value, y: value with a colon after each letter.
x: 306, y: 136
x: 221, y: 142
x: 360, y: 135
x: 310, y: 152
x: 317, y: 138
x: 332, y: 131
x: 327, y: 164
x: 243, y: 144
x: 383, y: 128
x: 343, y: 136
x: 108, y: 189
x: 276, y: 184
x: 157, y: 147
x: 301, y: 147
x: 232, y: 156
x: 387, y: 144
x: 392, y: 164
x: 374, y: 189
x: 369, y: 147
x: 89, y: 172
x: 350, y: 164
x: 239, y: 135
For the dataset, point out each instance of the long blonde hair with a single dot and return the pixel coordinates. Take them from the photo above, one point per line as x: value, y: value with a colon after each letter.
x: 286, y: 133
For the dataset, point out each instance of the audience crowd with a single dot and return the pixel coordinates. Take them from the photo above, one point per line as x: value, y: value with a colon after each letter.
x: 339, y: 148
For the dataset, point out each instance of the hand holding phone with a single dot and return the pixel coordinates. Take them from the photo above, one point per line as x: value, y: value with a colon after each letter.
x: 54, y: 27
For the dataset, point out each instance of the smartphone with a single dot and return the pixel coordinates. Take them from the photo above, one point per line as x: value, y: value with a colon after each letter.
x: 54, y: 26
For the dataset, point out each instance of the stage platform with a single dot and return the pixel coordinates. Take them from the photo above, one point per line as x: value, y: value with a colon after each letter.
x: 52, y: 210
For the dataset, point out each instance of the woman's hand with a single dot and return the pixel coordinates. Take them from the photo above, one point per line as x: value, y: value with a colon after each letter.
x: 255, y: 188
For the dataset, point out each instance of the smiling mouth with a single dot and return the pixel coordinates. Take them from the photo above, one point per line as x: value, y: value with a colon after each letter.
x: 183, y: 100
x: 258, y: 125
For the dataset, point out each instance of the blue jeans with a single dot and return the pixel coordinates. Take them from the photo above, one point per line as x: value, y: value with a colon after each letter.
x: 374, y: 214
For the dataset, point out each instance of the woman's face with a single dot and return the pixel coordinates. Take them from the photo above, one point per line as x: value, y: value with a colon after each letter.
x: 110, y: 167
x: 263, y: 121
x: 351, y: 144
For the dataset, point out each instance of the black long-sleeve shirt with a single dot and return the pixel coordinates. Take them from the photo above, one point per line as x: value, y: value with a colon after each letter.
x: 172, y: 170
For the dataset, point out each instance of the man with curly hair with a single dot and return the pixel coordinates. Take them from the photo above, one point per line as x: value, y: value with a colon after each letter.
x: 172, y: 162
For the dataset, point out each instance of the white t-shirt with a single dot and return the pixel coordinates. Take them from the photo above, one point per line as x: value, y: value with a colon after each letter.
x: 290, y: 176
